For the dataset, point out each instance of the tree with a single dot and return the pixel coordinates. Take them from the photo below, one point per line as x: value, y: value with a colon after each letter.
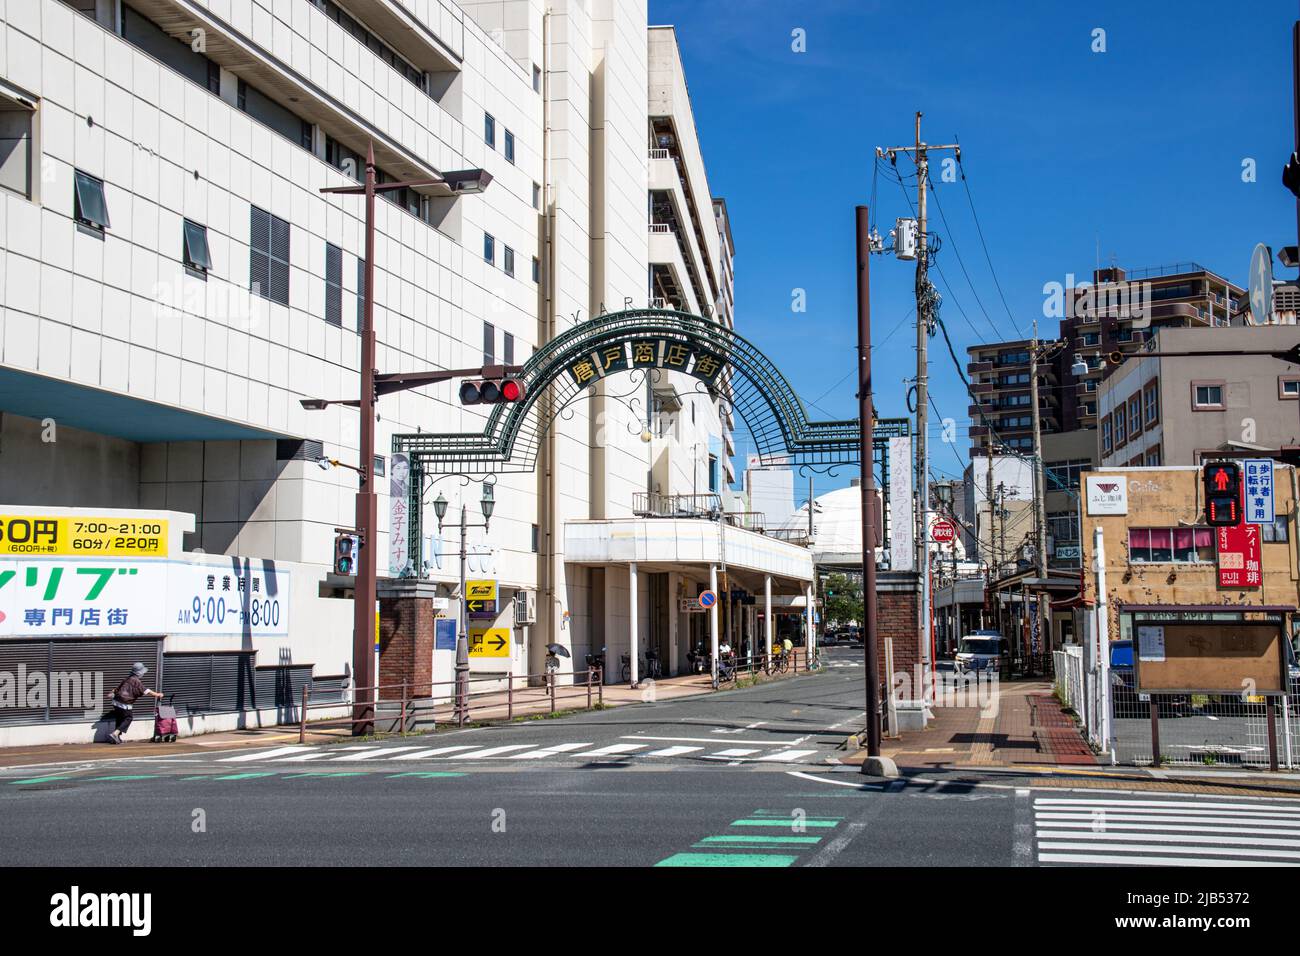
x: 842, y: 600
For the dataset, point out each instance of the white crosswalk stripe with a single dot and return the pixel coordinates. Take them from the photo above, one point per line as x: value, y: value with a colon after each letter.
x: 1165, y: 832
x: 612, y: 750
x: 782, y: 753
x: 549, y: 751
x: 673, y: 751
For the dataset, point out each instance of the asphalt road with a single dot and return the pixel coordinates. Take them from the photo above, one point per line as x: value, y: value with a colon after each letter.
x: 743, y: 778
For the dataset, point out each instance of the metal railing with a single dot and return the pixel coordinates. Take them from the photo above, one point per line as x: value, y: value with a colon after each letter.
x: 659, y: 154
x: 417, y: 702
x: 660, y: 228
x: 647, y: 504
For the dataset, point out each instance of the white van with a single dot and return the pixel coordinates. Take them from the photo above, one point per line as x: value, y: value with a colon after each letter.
x: 980, y: 652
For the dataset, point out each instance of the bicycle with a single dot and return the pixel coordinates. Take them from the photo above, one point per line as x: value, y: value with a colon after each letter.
x: 626, y: 671
x: 778, y: 663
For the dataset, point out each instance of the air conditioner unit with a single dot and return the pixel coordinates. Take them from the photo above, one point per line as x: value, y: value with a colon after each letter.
x: 525, y: 608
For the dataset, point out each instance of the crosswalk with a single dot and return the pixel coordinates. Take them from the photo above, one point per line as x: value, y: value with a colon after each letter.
x: 1208, y: 831
x: 580, y: 751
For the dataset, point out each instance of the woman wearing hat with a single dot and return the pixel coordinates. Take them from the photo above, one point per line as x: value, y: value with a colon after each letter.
x: 127, y: 693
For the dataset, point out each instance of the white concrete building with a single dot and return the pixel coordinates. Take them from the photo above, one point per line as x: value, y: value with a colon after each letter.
x: 174, y: 284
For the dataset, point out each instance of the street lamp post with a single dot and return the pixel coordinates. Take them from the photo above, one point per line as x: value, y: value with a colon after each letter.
x: 364, y: 590
x: 487, y: 504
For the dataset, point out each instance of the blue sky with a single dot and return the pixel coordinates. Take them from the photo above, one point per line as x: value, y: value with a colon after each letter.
x: 1137, y: 151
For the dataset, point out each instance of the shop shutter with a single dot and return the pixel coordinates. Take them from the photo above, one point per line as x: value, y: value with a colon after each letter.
x: 21, y: 658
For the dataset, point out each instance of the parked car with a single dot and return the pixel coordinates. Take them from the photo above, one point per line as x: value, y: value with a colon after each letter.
x: 980, y: 652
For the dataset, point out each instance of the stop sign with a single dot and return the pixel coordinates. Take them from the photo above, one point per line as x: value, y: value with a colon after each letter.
x: 943, y: 532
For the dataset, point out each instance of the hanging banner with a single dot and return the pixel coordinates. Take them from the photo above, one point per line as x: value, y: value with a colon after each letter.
x: 1240, y: 557
x: 399, y: 519
x: 901, y: 551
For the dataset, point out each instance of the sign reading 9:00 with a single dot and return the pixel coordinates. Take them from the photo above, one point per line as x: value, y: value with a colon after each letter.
x: 82, y: 536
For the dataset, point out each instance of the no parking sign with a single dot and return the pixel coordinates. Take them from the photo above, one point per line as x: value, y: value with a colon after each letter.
x: 708, y: 599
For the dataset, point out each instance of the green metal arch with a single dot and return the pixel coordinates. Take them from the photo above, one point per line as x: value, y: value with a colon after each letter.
x: 773, y: 413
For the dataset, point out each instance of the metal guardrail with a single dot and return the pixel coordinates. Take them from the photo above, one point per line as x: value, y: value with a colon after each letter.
x: 461, y: 700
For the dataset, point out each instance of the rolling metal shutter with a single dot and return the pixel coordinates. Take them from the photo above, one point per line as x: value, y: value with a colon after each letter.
x: 87, y: 668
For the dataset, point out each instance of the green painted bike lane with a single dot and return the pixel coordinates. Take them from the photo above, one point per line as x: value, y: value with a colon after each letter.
x: 755, y: 841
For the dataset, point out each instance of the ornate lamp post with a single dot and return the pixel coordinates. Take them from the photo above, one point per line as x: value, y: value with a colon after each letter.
x: 487, y: 503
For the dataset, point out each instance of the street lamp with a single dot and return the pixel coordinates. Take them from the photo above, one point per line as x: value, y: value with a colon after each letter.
x: 487, y: 504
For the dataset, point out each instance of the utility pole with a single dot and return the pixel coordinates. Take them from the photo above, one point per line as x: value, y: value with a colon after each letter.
x: 924, y: 300
x: 875, y: 764
x: 1040, y: 485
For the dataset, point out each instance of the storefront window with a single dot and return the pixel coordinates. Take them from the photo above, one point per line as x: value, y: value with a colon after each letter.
x: 1171, y: 545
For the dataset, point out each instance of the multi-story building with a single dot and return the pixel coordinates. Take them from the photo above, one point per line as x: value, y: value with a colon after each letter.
x: 1175, y: 409
x: 1117, y: 312
x: 175, y: 283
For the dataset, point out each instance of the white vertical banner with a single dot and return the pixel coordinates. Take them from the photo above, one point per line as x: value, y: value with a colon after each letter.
x: 901, y: 551
x: 399, y: 519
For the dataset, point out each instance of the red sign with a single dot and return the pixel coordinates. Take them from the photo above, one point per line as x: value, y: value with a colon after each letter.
x: 943, y: 532
x: 1240, y: 557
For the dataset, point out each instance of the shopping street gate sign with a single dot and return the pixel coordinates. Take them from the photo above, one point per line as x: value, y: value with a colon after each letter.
x: 640, y: 347
x: 489, y: 642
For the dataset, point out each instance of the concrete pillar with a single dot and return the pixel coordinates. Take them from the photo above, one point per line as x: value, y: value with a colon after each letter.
x: 633, y: 622
x: 713, y: 618
x: 767, y: 615
x: 673, y: 618
x: 811, y: 639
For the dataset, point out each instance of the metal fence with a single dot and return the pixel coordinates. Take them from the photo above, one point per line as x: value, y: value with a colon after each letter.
x: 1189, y: 730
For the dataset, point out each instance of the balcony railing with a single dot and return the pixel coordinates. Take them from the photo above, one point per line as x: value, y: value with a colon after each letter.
x: 709, y: 507
x: 660, y: 228
x: 659, y: 154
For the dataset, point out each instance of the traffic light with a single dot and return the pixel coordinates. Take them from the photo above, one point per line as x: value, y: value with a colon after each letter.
x: 1291, y: 174
x: 492, y: 391
x: 345, y: 553
x: 1222, y: 481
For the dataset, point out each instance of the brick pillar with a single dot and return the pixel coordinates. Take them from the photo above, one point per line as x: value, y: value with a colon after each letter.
x: 897, y: 610
x: 406, y: 616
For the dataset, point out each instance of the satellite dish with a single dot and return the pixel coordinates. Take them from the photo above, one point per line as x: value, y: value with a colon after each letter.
x: 1261, y: 285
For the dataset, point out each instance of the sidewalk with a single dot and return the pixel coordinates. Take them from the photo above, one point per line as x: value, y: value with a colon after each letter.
x: 1023, y: 726
x: 1027, y: 734
x: 528, y: 702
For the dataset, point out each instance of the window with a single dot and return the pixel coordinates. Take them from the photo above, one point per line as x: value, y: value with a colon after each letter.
x: 489, y: 249
x: 1090, y: 408
x: 537, y: 196
x: 1288, y: 387
x: 1105, y: 436
x: 333, y: 285
x: 537, y: 269
x: 178, y: 54
x: 1013, y: 358
x: 15, y: 145
x: 1020, y: 378
x: 1063, y: 528
x: 535, y: 538
x: 508, y: 349
x: 1065, y: 474
x: 508, y: 261
x: 1153, y: 456
x: 1151, y: 405
x: 489, y: 344
x: 268, y: 263
x: 510, y: 147
x: 490, y: 130
x: 267, y: 111
x: 1090, y: 338
x: 194, y: 243
x: 88, y: 201
x: 1090, y: 385
x: 1207, y: 396
x: 1171, y: 545
x: 537, y: 78
x: 1135, y: 416
x: 713, y: 474
x: 1275, y: 532
x: 371, y: 42
x: 1121, y: 427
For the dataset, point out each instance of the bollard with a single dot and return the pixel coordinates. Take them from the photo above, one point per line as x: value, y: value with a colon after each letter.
x: 600, y: 684
x: 550, y: 680
x: 589, y: 688
x: 302, y: 718
x: 510, y: 695
x: 401, y: 719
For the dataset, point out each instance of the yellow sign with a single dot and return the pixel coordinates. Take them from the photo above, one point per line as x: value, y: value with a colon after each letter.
x: 489, y: 642
x: 480, y: 590
x: 82, y: 536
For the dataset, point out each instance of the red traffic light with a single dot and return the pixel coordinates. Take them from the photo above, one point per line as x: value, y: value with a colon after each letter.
x: 1222, y: 484
x: 492, y: 391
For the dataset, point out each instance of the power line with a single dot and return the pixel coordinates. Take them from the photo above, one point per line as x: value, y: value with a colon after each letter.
x: 957, y: 252
x: 979, y: 229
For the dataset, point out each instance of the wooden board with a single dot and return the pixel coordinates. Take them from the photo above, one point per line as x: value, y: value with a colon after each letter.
x: 1213, y: 657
